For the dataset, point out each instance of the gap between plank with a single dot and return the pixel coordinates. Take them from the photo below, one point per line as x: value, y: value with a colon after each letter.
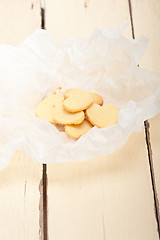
x: 42, y: 18
x: 148, y: 143
x: 156, y: 203
x: 43, y: 204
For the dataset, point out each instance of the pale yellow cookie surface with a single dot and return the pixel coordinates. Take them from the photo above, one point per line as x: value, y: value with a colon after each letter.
x: 102, y: 116
x: 70, y: 91
x: 62, y: 116
x: 76, y: 131
x: 77, y: 100
x: 96, y: 98
x: 44, y: 109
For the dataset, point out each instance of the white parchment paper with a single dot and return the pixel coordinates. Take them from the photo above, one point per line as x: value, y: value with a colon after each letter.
x: 105, y: 62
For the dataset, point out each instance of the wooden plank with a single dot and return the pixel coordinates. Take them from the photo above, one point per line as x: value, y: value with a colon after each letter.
x: 18, y: 20
x: 19, y: 183
x: 80, y: 18
x: 146, y: 19
x: 108, y: 197
x: 19, y: 199
x: 104, y: 198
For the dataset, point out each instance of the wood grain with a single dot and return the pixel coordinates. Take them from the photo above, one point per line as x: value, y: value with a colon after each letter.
x: 146, y: 18
x: 19, y: 183
x: 107, y: 197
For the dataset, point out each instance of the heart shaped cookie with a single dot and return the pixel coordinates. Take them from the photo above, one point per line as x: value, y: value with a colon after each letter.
x: 76, y: 131
x: 44, y: 109
x: 61, y: 116
x: 102, y: 116
x: 77, y: 100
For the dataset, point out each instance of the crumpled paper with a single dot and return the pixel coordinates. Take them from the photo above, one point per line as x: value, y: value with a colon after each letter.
x: 105, y: 62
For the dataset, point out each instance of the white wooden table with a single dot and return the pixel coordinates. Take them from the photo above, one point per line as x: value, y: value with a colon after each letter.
x: 107, y: 198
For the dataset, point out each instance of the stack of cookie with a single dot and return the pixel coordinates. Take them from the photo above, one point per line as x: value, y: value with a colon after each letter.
x: 78, y: 111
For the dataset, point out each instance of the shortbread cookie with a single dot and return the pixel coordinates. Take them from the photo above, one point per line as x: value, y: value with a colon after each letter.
x: 44, y: 109
x: 76, y: 131
x: 102, y: 116
x: 77, y: 100
x: 62, y: 116
x: 96, y: 98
